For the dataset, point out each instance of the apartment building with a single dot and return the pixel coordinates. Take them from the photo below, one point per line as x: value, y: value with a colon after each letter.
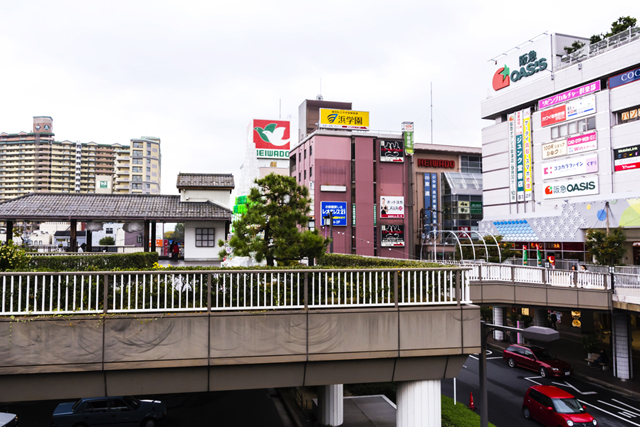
x: 35, y: 162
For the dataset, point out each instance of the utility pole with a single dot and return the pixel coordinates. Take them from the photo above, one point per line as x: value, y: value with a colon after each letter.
x: 606, y: 211
x: 431, y: 111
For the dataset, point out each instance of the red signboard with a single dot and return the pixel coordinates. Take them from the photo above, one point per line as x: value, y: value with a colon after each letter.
x: 553, y: 115
x: 434, y: 163
x: 272, y: 134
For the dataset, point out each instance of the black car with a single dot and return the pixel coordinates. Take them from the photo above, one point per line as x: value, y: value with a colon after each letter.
x: 124, y: 411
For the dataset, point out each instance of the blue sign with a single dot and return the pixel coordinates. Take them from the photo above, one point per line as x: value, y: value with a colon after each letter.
x: 430, y: 201
x: 624, y: 78
x: 339, y: 210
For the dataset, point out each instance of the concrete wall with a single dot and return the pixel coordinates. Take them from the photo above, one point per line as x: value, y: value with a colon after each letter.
x: 193, y: 253
x: 94, y: 356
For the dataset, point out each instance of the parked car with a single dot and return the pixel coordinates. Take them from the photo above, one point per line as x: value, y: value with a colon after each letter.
x: 8, y: 420
x: 555, y: 407
x: 99, y: 411
x: 537, y: 359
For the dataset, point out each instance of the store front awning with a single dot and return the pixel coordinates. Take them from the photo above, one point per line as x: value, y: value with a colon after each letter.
x: 464, y: 183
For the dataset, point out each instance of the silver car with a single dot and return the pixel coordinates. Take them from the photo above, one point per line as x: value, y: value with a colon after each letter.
x: 121, y: 411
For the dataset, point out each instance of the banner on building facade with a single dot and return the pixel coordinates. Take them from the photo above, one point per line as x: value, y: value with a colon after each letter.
x: 339, y: 210
x: 392, y: 151
x: 512, y: 158
x: 271, y: 138
x: 569, y: 95
x: 574, y: 145
x: 626, y: 158
x: 526, y: 142
x: 572, y: 188
x: 343, y: 119
x: 391, y: 207
x: 407, y: 133
x: 391, y: 235
x: 570, y: 166
x: 572, y: 110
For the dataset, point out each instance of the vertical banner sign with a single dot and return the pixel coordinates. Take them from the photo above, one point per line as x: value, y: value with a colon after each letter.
x: 528, y: 181
x: 512, y: 158
x: 407, y: 130
x: 519, y: 158
x: 427, y: 203
x: 434, y: 199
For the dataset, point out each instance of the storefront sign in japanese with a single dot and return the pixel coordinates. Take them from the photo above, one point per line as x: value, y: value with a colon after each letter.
x: 569, y: 95
x: 343, y: 119
x: 626, y: 158
x: 512, y: 158
x: 572, y: 110
x: 582, y: 143
x: 526, y: 141
x: 554, y: 149
x: 339, y: 210
x: 407, y: 133
x: 630, y: 115
x: 520, y: 156
x: 571, y: 188
x: 392, y: 151
x: 464, y: 207
x: 553, y: 115
x: 391, y: 235
x: 391, y: 207
x: 570, y: 166
x: 476, y: 208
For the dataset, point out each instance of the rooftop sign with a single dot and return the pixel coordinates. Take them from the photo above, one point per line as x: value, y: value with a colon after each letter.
x: 343, y: 119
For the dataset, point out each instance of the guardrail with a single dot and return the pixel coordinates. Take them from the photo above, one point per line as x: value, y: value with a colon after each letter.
x: 27, y: 294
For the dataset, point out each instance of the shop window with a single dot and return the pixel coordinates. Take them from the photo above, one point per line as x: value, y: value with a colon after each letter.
x: 205, y: 237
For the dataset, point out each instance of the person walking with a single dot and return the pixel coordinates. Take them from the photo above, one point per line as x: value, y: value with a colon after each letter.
x: 175, y: 251
x: 553, y: 319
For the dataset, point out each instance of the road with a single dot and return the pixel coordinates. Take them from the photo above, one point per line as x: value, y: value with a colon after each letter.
x: 507, y: 387
x: 230, y: 408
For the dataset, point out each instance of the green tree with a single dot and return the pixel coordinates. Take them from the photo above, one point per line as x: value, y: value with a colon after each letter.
x: 178, y: 232
x: 620, y: 25
x: 12, y: 257
x: 506, y: 249
x: 270, y: 229
x: 107, y: 241
x: 608, y: 249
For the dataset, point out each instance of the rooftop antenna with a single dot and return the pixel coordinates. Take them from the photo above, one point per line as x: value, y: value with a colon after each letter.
x: 431, y: 110
x: 279, y: 108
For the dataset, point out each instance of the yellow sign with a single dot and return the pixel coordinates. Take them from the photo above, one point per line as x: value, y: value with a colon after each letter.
x: 344, y: 119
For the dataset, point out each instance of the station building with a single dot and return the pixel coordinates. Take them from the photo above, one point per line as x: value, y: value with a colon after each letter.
x: 562, y: 152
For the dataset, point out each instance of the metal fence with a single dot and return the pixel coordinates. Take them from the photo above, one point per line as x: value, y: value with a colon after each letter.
x: 595, y: 49
x: 171, y: 291
x: 539, y: 275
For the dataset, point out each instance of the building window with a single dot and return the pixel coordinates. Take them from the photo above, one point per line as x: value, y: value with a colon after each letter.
x: 109, y: 231
x: 305, y: 154
x: 137, y: 145
x: 305, y: 174
x: 148, y: 152
x: 139, y: 238
x: 573, y: 128
x: 299, y: 177
x: 137, y: 178
x: 310, y: 171
x: 136, y: 169
x: 205, y: 237
x: 137, y: 153
x: 148, y: 185
x: 310, y: 150
x: 148, y: 169
x: 136, y: 186
x: 137, y: 161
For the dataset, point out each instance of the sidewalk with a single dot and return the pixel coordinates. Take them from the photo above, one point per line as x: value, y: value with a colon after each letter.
x: 569, y: 348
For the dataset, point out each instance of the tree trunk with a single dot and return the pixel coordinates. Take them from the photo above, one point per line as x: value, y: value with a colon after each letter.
x: 266, y: 240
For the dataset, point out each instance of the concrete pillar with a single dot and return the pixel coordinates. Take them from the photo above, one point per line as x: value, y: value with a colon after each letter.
x: 153, y: 236
x: 622, y: 361
x: 498, y: 319
x: 9, y: 232
x: 330, y: 404
x: 540, y: 317
x: 419, y: 404
x: 145, y: 236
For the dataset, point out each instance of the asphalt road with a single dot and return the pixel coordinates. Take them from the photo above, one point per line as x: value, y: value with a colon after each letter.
x: 231, y: 408
x: 507, y: 386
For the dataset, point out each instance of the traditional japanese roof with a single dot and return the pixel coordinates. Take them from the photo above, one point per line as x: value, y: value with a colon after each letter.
x: 109, y: 207
x: 205, y: 181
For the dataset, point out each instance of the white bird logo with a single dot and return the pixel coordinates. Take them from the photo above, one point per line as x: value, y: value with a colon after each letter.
x: 272, y: 134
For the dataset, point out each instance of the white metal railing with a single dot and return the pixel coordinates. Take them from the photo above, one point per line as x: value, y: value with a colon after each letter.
x: 595, y: 49
x: 219, y: 290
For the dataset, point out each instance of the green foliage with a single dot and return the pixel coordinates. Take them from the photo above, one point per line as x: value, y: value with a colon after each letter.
x: 591, y: 343
x: 13, y: 257
x: 178, y: 232
x: 608, y: 250
x: 98, y: 262
x: 576, y: 45
x: 506, y: 250
x: 107, y: 241
x: 341, y: 260
x: 458, y: 415
x: 620, y: 25
x: 270, y: 229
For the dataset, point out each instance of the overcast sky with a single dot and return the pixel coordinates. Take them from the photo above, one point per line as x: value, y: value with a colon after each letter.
x: 195, y: 73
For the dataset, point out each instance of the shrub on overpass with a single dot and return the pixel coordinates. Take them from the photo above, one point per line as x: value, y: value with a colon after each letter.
x: 341, y: 260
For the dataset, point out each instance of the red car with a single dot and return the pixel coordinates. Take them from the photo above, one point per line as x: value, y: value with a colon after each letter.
x: 537, y: 359
x: 555, y: 407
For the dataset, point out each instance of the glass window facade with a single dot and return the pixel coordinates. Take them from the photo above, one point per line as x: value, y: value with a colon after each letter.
x: 461, y: 200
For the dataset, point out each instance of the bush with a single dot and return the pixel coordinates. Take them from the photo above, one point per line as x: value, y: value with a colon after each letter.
x: 13, y: 257
x: 459, y: 415
x: 107, y: 241
x: 341, y: 260
x: 100, y: 262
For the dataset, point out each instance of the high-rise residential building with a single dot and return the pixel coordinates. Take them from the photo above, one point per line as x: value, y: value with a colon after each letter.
x: 138, y: 166
x: 35, y: 162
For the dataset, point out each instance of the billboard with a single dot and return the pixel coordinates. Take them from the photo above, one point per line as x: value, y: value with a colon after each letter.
x: 624, y: 78
x: 574, y: 145
x: 626, y: 158
x: 570, y: 166
x: 271, y: 138
x: 391, y: 207
x: 391, y: 235
x: 554, y: 149
x: 572, y: 188
x: 343, y: 119
x: 528, y: 63
x: 392, y: 151
x: 339, y: 210
x: 572, y: 110
x: 526, y: 142
x: 569, y: 95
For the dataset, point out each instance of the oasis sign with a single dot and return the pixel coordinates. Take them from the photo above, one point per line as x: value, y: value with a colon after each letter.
x: 529, y: 64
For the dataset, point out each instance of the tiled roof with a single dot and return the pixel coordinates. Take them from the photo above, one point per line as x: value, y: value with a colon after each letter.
x: 205, y: 180
x: 51, y: 207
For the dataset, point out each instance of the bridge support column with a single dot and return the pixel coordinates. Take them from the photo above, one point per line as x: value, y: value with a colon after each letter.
x: 622, y: 361
x: 419, y: 404
x: 540, y: 317
x: 498, y: 319
x: 330, y: 404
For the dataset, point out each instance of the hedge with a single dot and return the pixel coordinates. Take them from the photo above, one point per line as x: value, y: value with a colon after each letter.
x: 459, y: 415
x: 101, y: 262
x: 341, y: 260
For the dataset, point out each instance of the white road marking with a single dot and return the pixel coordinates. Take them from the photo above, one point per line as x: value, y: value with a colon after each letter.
x: 566, y: 384
x: 607, y: 412
x: 488, y: 358
x: 629, y: 406
x: 465, y: 366
x: 531, y: 379
x: 621, y: 409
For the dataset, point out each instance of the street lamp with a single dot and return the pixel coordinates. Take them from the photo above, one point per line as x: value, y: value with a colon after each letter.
x: 537, y: 333
x: 329, y: 217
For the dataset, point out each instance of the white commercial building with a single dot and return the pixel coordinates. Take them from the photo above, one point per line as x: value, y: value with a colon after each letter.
x: 562, y: 154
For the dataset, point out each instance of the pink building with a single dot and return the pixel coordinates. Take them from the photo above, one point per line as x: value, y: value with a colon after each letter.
x: 369, y: 197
